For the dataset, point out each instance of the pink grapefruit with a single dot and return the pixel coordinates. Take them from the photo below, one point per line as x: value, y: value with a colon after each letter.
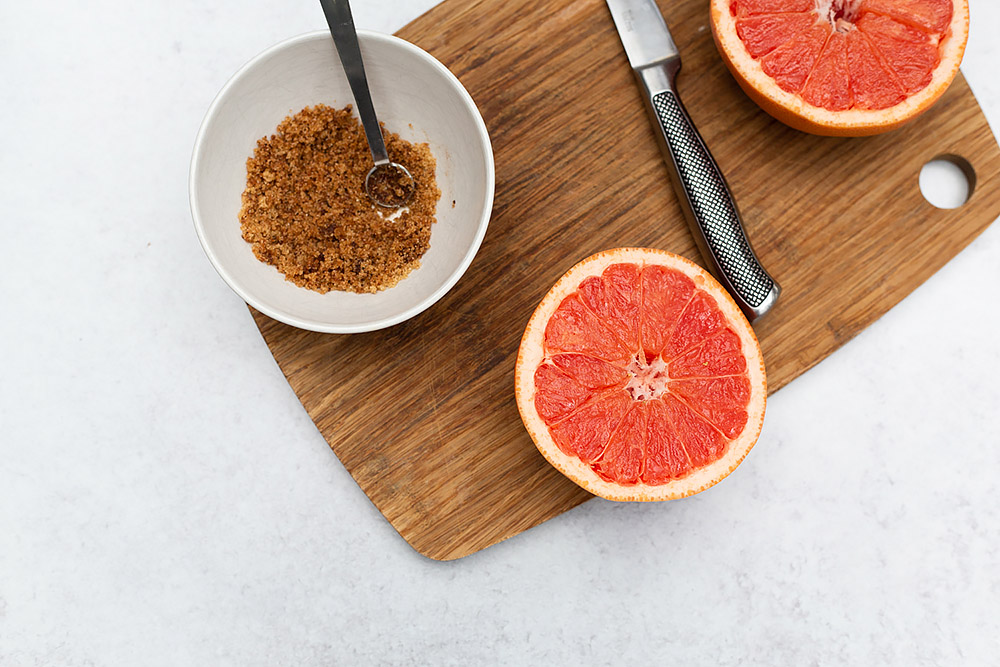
x: 842, y: 67
x: 639, y: 378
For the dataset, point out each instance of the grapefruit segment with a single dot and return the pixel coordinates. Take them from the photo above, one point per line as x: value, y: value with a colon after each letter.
x: 700, y: 320
x: 873, y: 86
x: 590, y: 372
x: 614, y: 298
x: 828, y: 85
x: 911, y: 54
x: 639, y: 378
x: 753, y: 7
x: 575, y: 328
x: 842, y: 67
x: 766, y: 32
x: 665, y: 294
x: 790, y: 64
x: 586, y: 431
x: 719, y: 355
x: 703, y: 443
x: 721, y: 401
x: 623, y: 458
x: 666, y: 459
x: 560, y: 394
x: 931, y: 16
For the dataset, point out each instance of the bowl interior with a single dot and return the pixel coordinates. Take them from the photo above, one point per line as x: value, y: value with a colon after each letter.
x: 415, y: 97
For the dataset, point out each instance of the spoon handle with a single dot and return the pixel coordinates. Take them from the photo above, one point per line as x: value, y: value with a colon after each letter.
x: 345, y: 37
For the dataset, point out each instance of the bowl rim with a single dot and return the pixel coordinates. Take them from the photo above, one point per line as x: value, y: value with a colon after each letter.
x: 415, y: 309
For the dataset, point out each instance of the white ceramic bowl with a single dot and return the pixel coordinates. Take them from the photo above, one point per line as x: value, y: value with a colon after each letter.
x: 415, y: 96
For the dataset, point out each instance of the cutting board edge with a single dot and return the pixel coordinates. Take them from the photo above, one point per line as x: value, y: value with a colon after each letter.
x: 445, y: 555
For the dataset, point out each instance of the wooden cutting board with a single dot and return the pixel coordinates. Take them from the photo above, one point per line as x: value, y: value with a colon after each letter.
x: 423, y: 414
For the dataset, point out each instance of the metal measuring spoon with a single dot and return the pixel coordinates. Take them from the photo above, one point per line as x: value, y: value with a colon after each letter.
x: 388, y: 184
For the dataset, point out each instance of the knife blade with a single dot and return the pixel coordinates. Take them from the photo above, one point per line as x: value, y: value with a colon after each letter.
x: 704, y: 195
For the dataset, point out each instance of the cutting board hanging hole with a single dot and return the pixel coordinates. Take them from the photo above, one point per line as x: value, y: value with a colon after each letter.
x: 947, y: 181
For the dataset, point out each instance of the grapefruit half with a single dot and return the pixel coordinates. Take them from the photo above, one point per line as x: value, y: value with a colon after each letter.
x: 842, y: 67
x: 639, y: 378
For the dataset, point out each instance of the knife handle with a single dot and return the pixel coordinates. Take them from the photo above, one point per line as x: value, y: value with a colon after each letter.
x: 707, y: 202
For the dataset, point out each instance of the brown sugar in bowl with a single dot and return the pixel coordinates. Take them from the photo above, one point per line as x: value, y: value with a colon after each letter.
x: 416, y: 97
x: 305, y: 210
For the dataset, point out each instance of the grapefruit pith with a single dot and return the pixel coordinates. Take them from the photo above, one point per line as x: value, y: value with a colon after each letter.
x: 842, y: 67
x: 639, y: 378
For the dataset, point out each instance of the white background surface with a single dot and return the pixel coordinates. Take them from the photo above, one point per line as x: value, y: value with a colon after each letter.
x: 165, y: 500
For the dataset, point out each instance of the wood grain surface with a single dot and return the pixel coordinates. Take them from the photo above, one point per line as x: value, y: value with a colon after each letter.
x: 423, y: 414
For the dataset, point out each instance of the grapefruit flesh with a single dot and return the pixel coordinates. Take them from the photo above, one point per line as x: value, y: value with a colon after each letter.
x: 842, y: 67
x: 639, y: 378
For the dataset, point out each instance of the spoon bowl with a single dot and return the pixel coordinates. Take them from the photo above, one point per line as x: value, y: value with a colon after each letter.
x: 390, y: 185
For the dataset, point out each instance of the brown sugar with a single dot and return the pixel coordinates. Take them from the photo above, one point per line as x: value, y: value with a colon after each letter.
x: 389, y: 185
x: 305, y: 210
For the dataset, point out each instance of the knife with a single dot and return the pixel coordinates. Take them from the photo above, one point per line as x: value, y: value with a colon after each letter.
x: 704, y: 196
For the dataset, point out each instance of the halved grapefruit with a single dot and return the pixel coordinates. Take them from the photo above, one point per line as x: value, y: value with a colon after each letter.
x: 639, y: 378
x: 842, y: 67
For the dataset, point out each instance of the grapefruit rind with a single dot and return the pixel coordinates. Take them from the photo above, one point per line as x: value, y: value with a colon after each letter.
x: 531, y: 354
x: 793, y: 111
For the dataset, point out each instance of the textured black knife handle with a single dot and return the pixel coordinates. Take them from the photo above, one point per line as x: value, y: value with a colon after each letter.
x: 711, y: 210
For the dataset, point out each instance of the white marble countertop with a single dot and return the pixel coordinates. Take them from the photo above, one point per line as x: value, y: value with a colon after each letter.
x: 165, y: 500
